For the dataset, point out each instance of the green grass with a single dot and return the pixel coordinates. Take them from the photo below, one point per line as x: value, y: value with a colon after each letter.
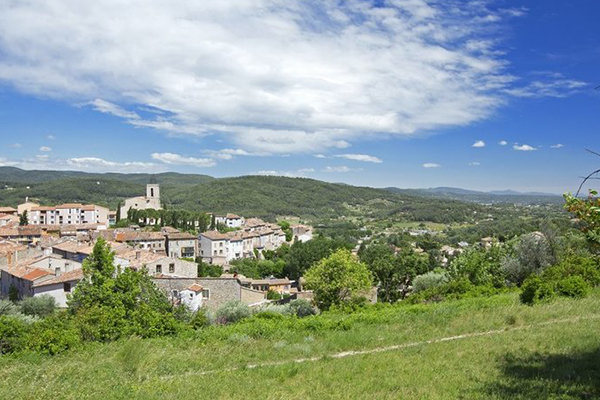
x: 535, y: 355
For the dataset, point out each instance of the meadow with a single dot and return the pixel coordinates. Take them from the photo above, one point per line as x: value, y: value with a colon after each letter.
x: 493, y: 347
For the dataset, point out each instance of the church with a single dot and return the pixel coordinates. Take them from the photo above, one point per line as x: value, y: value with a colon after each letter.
x: 150, y: 201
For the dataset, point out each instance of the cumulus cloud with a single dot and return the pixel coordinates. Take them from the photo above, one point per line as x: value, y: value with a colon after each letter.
x: 479, y: 143
x: 474, y: 164
x: 89, y: 164
x: 341, y: 168
x: 50, y: 137
x: 360, y: 157
x: 431, y: 165
x: 276, y: 76
x: 45, y: 148
x: 503, y: 143
x: 524, y: 147
x: 557, y: 146
x: 177, y: 159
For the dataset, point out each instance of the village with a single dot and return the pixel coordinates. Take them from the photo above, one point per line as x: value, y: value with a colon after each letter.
x: 43, y: 248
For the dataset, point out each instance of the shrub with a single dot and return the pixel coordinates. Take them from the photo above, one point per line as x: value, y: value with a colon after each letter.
x: 573, y: 277
x: 429, y: 280
x: 273, y: 295
x: 301, y: 308
x: 535, y: 290
x: 532, y: 254
x: 232, y: 311
x: 573, y: 286
x: 12, y: 334
x: 7, y: 307
x: 53, y: 335
x: 199, y: 320
x: 40, y: 306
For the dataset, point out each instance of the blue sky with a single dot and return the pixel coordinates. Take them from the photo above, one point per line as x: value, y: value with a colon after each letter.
x: 409, y: 93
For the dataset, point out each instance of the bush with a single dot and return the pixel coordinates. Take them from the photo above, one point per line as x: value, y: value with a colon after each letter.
x: 273, y: 295
x: 429, y: 280
x: 232, y: 311
x: 301, y: 308
x: 535, y: 290
x: 573, y: 286
x: 53, y: 335
x: 12, y: 334
x: 532, y: 254
x: 199, y: 320
x: 574, y: 277
x: 7, y: 307
x: 40, y: 306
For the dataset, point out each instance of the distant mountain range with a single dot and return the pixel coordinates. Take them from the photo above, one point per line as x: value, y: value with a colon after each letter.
x: 494, y: 196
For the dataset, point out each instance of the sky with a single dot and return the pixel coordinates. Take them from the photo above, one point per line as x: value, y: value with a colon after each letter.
x: 484, y: 95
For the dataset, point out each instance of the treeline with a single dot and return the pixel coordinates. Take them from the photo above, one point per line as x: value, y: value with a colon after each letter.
x: 179, y: 219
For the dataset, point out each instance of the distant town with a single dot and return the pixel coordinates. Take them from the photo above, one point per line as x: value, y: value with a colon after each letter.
x: 42, y: 249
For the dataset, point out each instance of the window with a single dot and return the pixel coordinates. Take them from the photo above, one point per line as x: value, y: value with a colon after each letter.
x: 158, y: 269
x: 174, y: 293
x: 171, y: 268
x: 206, y: 294
x: 67, y: 287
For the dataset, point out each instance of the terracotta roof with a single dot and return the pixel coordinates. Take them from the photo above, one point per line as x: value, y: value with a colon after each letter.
x: 271, y: 282
x: 75, y: 275
x: 181, y: 236
x: 139, y: 258
x: 36, y: 273
x: 214, y: 235
x: 7, y: 210
x: 195, y: 288
x: 43, y: 208
x: 232, y: 216
x: 133, y: 236
x: 10, y: 247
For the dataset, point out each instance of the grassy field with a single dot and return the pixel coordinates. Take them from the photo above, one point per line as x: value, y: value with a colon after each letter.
x: 507, y: 351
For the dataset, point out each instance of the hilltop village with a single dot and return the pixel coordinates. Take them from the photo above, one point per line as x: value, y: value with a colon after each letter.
x: 42, y: 250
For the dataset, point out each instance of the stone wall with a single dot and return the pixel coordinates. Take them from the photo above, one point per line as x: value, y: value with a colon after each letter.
x: 221, y: 290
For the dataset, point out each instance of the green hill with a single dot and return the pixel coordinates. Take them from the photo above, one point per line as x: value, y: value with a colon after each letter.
x: 265, y: 196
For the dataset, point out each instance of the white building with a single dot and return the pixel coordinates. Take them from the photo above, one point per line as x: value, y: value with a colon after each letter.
x: 193, y: 296
x: 230, y: 220
x: 150, y: 201
x: 302, y: 233
x: 69, y: 214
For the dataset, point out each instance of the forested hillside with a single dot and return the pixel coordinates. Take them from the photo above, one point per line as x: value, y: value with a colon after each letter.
x: 265, y: 196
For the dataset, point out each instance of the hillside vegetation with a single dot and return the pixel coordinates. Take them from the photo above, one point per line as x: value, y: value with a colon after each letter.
x: 265, y: 196
x: 478, y: 348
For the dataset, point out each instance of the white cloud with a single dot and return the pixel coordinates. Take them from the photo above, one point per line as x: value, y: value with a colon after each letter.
x: 177, y: 159
x: 360, y: 157
x: 524, y: 147
x: 557, y: 146
x: 269, y: 75
x: 45, y: 148
x: 290, y: 174
x: 89, y: 164
x: 479, y: 143
x: 320, y: 156
x: 503, y: 143
x: 474, y: 164
x: 341, y: 168
x: 16, y: 145
x: 550, y: 88
x: 431, y: 165
x: 228, y: 154
x: 50, y: 137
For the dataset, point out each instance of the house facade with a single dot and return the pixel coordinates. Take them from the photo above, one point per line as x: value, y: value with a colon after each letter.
x: 68, y: 214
